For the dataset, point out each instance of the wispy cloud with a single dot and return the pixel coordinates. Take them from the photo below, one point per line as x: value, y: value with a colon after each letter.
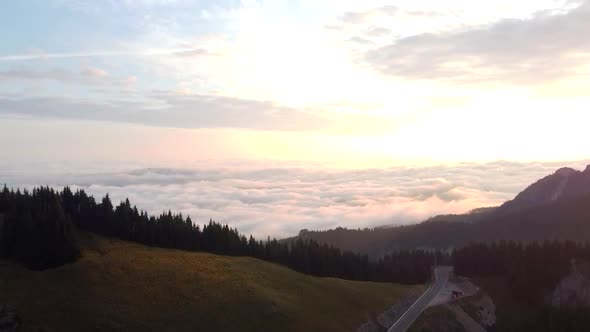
x: 165, y: 109
x: 378, y: 31
x: 546, y: 47
x: 193, y: 52
x: 106, y: 6
x: 364, y: 16
x: 67, y: 55
x: 360, y: 40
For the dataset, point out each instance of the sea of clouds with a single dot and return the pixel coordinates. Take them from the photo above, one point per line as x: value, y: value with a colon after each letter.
x: 281, y: 201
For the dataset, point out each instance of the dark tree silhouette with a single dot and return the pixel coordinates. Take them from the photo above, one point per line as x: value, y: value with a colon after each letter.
x: 36, y: 229
x: 531, y: 272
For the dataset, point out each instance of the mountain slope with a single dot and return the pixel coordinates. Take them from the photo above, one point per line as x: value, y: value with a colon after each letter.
x: 118, y: 285
x: 564, y: 183
x: 555, y: 207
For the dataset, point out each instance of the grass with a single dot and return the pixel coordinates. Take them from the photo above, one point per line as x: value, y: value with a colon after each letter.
x: 118, y: 285
x: 436, y: 319
x: 468, y: 304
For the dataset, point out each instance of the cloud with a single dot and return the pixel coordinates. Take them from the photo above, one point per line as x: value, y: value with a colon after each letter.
x: 91, y: 6
x: 426, y: 13
x: 378, y: 31
x: 360, y: 40
x: 355, y: 17
x: 547, y: 46
x: 40, y: 55
x: 333, y: 27
x: 281, y: 201
x: 170, y: 110
x: 19, y: 74
x: 90, y: 76
x: 364, y: 16
x: 95, y: 72
x: 193, y: 52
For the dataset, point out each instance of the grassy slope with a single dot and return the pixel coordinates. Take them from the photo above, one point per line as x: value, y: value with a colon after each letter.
x: 436, y: 319
x: 118, y: 285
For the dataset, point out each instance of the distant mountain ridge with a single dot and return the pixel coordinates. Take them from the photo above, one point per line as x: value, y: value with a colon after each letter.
x: 555, y: 207
x: 565, y: 182
x: 471, y: 216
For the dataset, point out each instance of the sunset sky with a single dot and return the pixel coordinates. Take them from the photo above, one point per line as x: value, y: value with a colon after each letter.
x: 182, y: 99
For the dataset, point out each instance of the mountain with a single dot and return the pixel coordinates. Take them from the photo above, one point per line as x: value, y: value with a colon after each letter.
x: 123, y: 286
x: 472, y: 216
x: 564, y: 183
x: 555, y: 207
x: 380, y: 241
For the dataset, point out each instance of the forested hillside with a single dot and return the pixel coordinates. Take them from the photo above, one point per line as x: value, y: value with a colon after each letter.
x: 522, y: 280
x: 37, y: 230
x: 555, y: 207
x: 566, y: 218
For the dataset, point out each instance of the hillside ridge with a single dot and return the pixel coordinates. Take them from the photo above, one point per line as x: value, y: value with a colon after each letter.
x: 119, y: 285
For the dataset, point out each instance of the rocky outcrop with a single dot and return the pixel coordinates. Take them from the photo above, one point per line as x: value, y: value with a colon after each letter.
x: 485, y: 313
x: 476, y: 311
x: 574, y: 289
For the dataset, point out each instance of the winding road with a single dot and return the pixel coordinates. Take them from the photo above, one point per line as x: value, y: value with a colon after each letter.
x: 441, y: 275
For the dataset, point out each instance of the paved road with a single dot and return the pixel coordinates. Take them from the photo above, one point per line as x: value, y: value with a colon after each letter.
x: 441, y: 274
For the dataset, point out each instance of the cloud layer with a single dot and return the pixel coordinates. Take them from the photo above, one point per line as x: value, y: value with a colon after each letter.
x: 544, y: 47
x: 280, y: 201
x: 167, y: 109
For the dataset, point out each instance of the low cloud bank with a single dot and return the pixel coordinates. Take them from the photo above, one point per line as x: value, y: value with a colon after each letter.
x: 281, y: 201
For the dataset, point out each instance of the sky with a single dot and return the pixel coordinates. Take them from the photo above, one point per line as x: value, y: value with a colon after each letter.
x: 279, y: 115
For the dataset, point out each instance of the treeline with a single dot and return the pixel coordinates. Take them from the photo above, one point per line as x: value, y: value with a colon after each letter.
x: 531, y: 269
x: 563, y: 219
x: 531, y: 272
x: 48, y: 214
x: 35, y: 230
